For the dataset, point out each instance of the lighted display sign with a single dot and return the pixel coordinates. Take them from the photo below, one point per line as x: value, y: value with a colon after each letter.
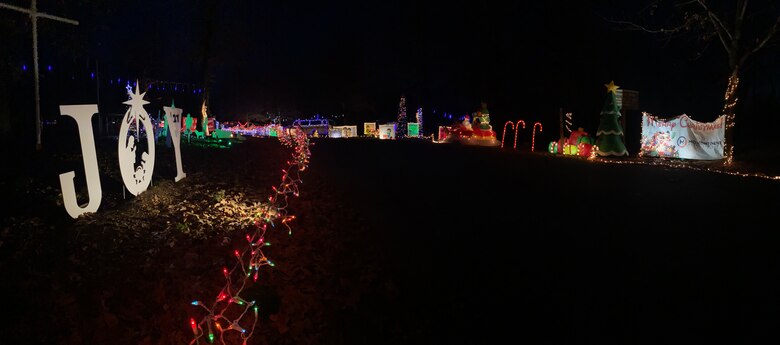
x: 682, y: 137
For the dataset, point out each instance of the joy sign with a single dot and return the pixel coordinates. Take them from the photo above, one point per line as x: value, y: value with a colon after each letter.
x: 135, y: 176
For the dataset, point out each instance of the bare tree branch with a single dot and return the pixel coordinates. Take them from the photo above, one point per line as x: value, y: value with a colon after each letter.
x: 650, y: 6
x: 769, y: 35
x: 683, y: 4
x: 741, y: 13
x: 637, y: 27
x: 730, y: 36
x: 701, y: 51
x: 718, y: 23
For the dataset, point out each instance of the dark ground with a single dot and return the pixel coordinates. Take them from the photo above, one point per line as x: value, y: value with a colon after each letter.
x: 400, y: 242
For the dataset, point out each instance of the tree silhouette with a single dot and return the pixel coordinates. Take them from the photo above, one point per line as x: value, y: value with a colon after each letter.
x: 742, y: 31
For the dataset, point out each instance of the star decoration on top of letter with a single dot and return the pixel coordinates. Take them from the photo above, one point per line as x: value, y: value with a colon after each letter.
x: 136, y: 103
x: 136, y: 100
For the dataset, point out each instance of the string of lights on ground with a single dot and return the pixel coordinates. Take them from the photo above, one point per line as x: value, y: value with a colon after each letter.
x: 687, y: 165
x: 229, y: 311
x: 720, y: 168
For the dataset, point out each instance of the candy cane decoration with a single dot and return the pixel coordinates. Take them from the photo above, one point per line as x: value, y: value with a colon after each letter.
x: 503, y: 135
x: 517, y: 126
x: 533, y: 134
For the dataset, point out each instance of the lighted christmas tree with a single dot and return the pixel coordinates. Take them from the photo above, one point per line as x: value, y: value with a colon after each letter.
x: 609, y: 136
x: 401, y: 128
x: 420, y: 121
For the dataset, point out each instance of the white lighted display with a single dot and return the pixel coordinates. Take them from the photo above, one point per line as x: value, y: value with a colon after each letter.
x: 83, y: 116
x: 173, y: 116
x: 387, y: 131
x: 136, y: 177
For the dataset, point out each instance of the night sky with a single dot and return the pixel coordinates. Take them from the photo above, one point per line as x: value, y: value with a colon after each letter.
x: 525, y: 59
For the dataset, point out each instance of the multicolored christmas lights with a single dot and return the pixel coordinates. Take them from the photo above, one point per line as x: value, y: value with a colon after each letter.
x: 229, y: 312
x: 420, y: 121
x: 401, y: 128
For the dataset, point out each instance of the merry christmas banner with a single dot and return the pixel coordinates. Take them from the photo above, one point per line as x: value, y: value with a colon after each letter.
x: 682, y: 137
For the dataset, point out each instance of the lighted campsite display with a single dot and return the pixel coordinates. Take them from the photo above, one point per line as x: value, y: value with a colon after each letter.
x: 155, y: 155
x: 232, y: 312
x: 137, y: 178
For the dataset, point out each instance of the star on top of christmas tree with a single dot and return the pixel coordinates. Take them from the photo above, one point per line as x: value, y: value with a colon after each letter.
x: 611, y: 87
